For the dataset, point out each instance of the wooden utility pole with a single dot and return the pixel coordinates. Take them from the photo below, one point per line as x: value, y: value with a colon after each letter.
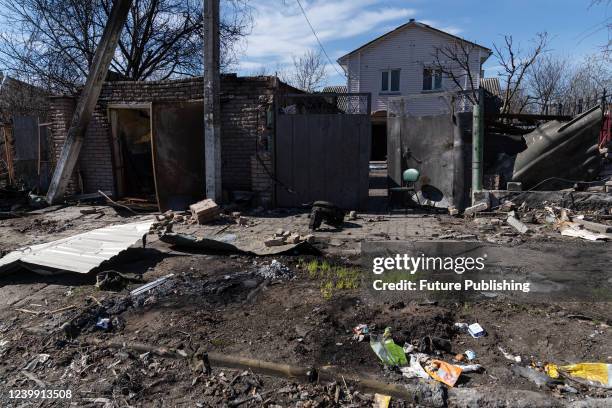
x: 212, y: 109
x: 87, y: 101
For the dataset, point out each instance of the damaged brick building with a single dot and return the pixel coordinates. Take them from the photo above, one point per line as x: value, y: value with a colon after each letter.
x: 145, y: 139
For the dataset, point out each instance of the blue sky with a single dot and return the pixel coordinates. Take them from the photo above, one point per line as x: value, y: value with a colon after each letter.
x: 280, y: 30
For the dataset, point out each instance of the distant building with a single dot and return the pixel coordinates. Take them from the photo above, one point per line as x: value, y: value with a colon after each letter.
x: 402, y: 63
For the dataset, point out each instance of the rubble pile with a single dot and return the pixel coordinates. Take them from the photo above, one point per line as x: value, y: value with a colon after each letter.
x: 284, y: 237
x: 275, y: 271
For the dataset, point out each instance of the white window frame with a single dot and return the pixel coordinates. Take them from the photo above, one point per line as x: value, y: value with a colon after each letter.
x: 388, y: 73
x: 435, y: 71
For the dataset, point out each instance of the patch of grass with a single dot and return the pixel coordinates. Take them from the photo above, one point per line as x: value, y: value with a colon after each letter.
x: 219, y: 342
x: 313, y: 268
x: 333, y: 278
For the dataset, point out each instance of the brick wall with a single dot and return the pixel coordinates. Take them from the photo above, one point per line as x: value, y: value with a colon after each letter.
x: 262, y: 183
x: 244, y: 103
x: 61, y: 109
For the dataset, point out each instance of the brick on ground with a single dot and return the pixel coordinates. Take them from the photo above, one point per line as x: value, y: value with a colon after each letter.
x: 204, y: 211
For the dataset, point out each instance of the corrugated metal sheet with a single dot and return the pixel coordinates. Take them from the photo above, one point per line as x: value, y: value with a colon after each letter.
x: 79, y: 253
x: 491, y: 85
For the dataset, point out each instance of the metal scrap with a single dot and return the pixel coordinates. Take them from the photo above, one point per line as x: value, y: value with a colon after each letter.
x: 79, y: 253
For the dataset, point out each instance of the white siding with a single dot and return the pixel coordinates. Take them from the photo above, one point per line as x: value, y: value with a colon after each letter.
x: 410, y: 50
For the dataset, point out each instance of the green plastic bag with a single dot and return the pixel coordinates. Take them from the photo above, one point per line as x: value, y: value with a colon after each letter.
x: 389, y: 353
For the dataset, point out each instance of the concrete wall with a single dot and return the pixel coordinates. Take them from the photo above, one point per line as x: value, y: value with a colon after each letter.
x: 244, y: 103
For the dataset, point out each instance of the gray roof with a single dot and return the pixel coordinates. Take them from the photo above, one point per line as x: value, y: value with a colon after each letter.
x: 413, y: 23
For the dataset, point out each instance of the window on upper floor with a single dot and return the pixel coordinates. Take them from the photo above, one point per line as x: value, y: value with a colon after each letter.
x: 390, y: 81
x: 432, y: 79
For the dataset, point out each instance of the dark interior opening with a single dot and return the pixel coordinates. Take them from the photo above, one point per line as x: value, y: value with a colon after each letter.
x: 133, y: 132
x: 379, y: 142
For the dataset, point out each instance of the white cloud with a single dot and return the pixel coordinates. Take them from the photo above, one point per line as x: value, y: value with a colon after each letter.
x: 280, y: 30
x: 447, y: 29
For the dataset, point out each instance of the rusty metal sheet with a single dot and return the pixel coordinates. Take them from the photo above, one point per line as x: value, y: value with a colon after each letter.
x: 178, y: 153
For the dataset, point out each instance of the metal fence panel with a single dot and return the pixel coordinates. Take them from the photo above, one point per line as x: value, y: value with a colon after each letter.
x: 323, y: 157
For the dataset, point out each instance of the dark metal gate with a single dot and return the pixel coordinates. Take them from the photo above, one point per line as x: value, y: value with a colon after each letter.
x: 322, y: 149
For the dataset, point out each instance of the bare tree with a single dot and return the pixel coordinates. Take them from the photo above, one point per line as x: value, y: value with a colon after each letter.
x: 308, y: 72
x: 457, y: 61
x: 547, y: 80
x: 515, y: 64
x: 52, y: 42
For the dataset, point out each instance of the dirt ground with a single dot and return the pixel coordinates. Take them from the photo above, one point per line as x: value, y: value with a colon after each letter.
x: 231, y: 305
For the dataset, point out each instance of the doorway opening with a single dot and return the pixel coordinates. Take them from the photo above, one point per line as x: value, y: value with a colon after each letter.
x: 133, y: 156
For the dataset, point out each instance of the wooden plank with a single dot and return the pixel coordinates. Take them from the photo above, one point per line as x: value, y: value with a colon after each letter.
x: 87, y: 101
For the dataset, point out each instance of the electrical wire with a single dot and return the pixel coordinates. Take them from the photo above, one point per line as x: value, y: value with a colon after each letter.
x: 343, y: 73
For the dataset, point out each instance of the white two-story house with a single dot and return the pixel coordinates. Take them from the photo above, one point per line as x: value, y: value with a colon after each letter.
x: 403, y: 63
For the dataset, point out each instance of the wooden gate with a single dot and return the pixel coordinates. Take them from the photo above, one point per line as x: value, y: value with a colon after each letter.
x: 322, y: 149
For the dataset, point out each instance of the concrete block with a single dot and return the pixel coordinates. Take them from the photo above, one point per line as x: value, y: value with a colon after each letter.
x: 482, y: 206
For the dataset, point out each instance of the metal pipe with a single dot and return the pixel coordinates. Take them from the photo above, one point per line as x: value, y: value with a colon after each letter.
x: 477, y: 143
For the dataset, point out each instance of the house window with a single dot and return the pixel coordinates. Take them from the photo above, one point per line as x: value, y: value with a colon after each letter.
x: 390, y: 81
x: 432, y: 79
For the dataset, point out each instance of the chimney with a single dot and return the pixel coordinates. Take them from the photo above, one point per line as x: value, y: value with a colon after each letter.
x: 412, y: 20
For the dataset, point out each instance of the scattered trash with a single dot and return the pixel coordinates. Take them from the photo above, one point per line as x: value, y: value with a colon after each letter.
x: 145, y: 288
x: 385, y: 348
x: 275, y: 271
x: 538, y: 378
x: 444, y: 372
x: 516, y: 359
x: 415, y: 370
x: 4, y: 346
x: 408, y: 348
x: 476, y: 330
x: 432, y: 344
x: 595, y: 374
x: 352, y: 215
x: 462, y: 327
x: 381, y: 401
x: 103, y: 323
x: 470, y: 355
x: 115, y: 281
x: 39, y: 359
x: 360, y: 331
x: 571, y: 229
x: 470, y: 368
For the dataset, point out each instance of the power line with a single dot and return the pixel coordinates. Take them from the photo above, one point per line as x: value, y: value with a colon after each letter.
x: 343, y: 73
